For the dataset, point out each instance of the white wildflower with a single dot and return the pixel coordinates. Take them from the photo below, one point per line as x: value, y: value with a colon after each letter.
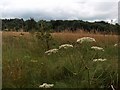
x: 34, y: 61
x: 14, y: 35
x: 112, y: 87
x: 115, y: 45
x: 42, y: 63
x: 45, y: 85
x: 74, y: 73
x: 51, y: 51
x: 95, y: 60
x: 85, y: 39
x: 20, y: 35
x: 97, y: 48
x: 65, y: 46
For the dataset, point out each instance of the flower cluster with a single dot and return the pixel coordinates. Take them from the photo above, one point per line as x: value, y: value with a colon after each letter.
x: 85, y: 39
x: 65, y: 46
x: 51, y: 51
x: 21, y: 34
x: 34, y: 61
x: 115, y: 45
x: 95, y: 60
x: 14, y: 36
x: 45, y: 85
x: 97, y: 48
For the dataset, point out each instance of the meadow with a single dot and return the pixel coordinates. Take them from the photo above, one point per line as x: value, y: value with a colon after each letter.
x: 26, y: 65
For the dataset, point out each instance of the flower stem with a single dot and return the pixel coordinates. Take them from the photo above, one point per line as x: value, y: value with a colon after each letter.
x: 86, y: 67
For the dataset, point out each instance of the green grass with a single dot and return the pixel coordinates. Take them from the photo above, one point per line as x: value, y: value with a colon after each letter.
x: 25, y: 65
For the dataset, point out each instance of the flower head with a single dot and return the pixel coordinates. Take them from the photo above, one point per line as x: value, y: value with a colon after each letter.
x: 115, y: 45
x: 45, y: 85
x: 34, y: 61
x: 51, y: 51
x: 97, y: 48
x: 20, y: 35
x: 15, y: 36
x: 85, y: 39
x: 100, y: 59
x: 65, y: 46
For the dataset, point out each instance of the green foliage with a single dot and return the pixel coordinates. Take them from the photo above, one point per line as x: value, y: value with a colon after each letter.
x: 44, y: 34
x: 12, y: 24
x: 31, y: 25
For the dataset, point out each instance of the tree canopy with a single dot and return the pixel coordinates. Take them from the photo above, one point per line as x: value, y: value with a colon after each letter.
x: 59, y: 25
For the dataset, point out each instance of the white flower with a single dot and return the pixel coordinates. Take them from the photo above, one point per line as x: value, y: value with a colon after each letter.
x: 45, y: 85
x: 85, y: 39
x: 15, y: 36
x: 112, y: 87
x: 97, y: 48
x: 115, y: 45
x: 74, y: 73
x: 34, y: 61
x: 51, y: 51
x: 100, y: 59
x: 65, y: 46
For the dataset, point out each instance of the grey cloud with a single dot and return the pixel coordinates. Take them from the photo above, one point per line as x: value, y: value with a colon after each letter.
x: 79, y: 9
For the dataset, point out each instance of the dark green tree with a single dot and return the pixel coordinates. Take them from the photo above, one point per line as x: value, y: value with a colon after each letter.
x: 30, y: 25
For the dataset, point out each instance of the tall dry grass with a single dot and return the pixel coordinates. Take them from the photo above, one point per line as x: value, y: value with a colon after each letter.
x: 26, y: 65
x: 69, y: 36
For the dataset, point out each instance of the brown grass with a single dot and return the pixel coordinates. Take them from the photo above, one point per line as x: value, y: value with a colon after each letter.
x: 69, y: 36
x: 15, y: 33
x: 74, y: 36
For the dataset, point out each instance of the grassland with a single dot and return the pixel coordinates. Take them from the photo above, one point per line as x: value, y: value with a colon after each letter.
x: 25, y: 64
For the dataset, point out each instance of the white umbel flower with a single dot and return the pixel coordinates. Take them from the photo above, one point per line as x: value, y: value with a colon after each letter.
x: 45, y: 85
x: 85, y: 39
x: 100, y: 59
x: 97, y: 48
x: 65, y: 46
x: 115, y: 45
x: 51, y: 51
x: 34, y: 61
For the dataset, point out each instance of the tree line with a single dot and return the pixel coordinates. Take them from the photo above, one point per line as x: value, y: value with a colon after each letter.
x: 59, y: 25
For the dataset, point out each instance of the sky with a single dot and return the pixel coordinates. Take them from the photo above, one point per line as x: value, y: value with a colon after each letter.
x: 88, y: 10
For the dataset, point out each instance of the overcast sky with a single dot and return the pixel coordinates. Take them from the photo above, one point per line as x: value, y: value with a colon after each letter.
x: 90, y: 10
